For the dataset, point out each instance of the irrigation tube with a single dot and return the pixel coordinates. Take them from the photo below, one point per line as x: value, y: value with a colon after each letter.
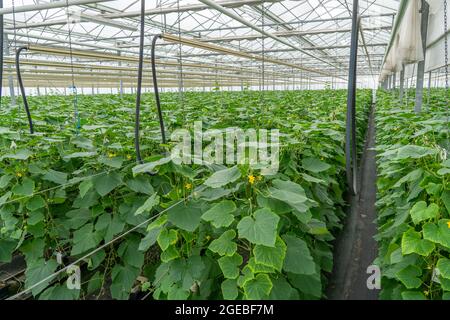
x: 155, y: 87
x: 139, y: 88
x: 22, y: 89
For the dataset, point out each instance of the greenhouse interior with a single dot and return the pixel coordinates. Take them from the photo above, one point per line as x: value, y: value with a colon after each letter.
x: 224, y: 150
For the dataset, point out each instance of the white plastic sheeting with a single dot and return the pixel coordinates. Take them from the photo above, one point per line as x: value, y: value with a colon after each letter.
x: 435, y: 57
x: 406, y: 45
x: 407, y: 49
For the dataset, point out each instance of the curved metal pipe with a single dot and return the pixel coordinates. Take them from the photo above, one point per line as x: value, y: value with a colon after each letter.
x: 155, y: 87
x: 22, y: 89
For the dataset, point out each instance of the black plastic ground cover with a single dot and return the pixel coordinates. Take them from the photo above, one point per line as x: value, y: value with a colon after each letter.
x: 355, y: 247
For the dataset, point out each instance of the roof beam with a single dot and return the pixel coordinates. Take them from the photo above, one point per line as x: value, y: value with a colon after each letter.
x: 236, y: 17
x: 191, y: 7
x: 48, y: 5
x: 289, y: 34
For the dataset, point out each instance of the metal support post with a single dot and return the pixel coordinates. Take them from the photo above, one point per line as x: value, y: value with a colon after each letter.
x: 421, y: 65
x: 402, y: 83
x: 351, y: 162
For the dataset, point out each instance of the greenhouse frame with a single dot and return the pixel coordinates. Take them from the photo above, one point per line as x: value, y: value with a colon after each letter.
x: 224, y: 150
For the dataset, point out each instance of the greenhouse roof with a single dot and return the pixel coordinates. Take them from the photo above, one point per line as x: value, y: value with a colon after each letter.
x: 312, y: 35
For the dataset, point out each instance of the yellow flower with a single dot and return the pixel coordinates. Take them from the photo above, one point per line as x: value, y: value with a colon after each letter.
x: 448, y: 224
x: 251, y: 179
x: 111, y: 155
x: 188, y: 186
x: 19, y: 174
x: 128, y: 157
x: 208, y: 237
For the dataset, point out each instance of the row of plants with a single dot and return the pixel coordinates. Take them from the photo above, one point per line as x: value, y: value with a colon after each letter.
x: 413, y: 197
x: 199, y: 231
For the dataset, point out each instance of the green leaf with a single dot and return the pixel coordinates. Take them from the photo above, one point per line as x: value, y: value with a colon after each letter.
x: 4, y: 180
x: 230, y: 265
x: 171, y: 253
x: 298, y: 258
x: 167, y: 238
x: 439, y: 233
x: 59, y: 293
x: 413, y: 151
x: 33, y: 249
x: 153, y: 232
x: 413, y: 295
x: 412, y: 242
x: 140, y: 184
x: 410, y: 177
x: 24, y: 189
x: 150, y: 167
x: 84, y: 239
x: 84, y: 187
x: 115, y: 162
x: 78, y: 217
x: 290, y: 193
x: 317, y: 227
x: 6, y: 249
x: 35, y: 203
x: 282, y: 290
x: 224, y: 244
x: 315, y: 165
x: 229, y: 289
x: 22, y: 154
x: 259, y: 268
x: 443, y: 265
x: 106, y: 183
x: 223, y: 177
x: 150, y: 239
x: 148, y: 205
x: 259, y: 229
x: 5, y: 198
x: 443, y: 171
x: 123, y: 279
x: 310, y: 285
x: 446, y: 199
x: 271, y: 256
x: 35, y: 218
x: 37, y: 272
x: 55, y: 176
x: 258, y: 288
x: 186, y: 215
x: 247, y: 275
x: 409, y: 276
x: 220, y: 215
x: 79, y: 155
x: 420, y: 211
x: 128, y: 251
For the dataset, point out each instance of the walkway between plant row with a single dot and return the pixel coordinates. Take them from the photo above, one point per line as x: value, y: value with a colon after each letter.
x: 356, y: 249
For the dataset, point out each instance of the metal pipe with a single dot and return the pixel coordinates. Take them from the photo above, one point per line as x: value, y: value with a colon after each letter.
x: 49, y: 5
x: 22, y: 89
x: 155, y: 88
x: 137, y: 123
x: 216, y: 48
x: 421, y: 64
x: 351, y: 162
